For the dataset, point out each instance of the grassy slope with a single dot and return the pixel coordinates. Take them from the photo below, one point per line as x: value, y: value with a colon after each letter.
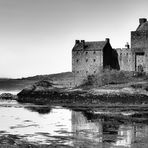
x: 19, y: 84
x: 107, y: 80
x: 112, y: 79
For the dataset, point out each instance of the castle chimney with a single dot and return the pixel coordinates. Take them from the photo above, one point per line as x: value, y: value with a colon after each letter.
x: 142, y: 20
x: 77, y: 41
x: 107, y: 40
x: 127, y: 45
x: 83, y: 43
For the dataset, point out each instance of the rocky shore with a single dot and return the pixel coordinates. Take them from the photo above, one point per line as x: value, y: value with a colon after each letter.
x: 46, y: 93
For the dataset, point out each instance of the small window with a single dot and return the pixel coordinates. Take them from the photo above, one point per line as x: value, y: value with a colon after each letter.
x: 86, y: 71
x: 94, y: 60
x: 94, y: 71
x: 77, y: 52
x: 94, y: 52
x: 126, y: 54
x: 77, y: 60
x: 77, y: 71
x: 86, y: 52
x: 86, y: 60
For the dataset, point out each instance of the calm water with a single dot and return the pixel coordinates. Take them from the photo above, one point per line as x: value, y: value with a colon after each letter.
x: 79, y: 129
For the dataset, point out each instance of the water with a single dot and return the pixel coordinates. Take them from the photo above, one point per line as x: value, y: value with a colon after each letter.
x: 14, y: 92
x: 78, y: 128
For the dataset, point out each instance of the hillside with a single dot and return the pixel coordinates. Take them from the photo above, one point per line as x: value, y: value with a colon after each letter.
x: 18, y: 84
x: 57, y: 76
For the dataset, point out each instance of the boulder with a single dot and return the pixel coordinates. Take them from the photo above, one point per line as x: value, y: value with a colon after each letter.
x: 41, y: 88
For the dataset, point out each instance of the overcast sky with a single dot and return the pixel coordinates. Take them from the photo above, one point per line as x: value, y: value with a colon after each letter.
x: 37, y: 36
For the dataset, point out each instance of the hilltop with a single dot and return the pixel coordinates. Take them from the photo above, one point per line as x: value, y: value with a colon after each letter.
x: 19, y: 84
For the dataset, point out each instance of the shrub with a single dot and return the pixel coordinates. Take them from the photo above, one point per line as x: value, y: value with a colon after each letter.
x: 108, y: 76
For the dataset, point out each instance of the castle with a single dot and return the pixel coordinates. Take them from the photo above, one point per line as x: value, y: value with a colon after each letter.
x: 89, y: 58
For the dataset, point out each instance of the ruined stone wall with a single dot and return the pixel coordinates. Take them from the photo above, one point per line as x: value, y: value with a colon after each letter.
x: 125, y: 59
x: 86, y: 63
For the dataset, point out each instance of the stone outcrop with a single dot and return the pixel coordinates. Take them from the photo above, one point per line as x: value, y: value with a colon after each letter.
x: 40, y: 89
x: 8, y: 96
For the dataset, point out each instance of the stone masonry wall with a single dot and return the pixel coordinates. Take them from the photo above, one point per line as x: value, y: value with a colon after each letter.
x: 125, y: 59
x: 139, y: 44
x: 139, y: 39
x: 86, y: 63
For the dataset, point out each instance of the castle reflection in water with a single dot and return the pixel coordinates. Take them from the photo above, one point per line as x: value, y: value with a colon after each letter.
x: 91, y: 131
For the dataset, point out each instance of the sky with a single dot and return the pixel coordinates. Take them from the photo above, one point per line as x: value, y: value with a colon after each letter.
x: 37, y: 36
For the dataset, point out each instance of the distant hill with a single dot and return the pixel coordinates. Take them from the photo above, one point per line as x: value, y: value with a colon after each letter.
x: 57, y: 76
x: 18, y: 84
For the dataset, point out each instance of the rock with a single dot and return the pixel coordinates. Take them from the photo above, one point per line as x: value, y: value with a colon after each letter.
x: 44, y: 84
x: 44, y: 92
x: 39, y: 89
x: 8, y: 96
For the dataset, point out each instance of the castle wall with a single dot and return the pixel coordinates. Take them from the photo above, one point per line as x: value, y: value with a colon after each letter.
x: 125, y: 59
x: 139, y: 45
x: 139, y: 40
x: 86, y: 63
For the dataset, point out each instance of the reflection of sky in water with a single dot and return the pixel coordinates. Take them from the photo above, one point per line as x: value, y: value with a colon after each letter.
x: 14, y: 92
x: 70, y: 127
x: 17, y: 120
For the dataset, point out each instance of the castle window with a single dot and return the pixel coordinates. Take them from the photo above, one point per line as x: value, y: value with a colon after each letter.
x: 86, y: 52
x: 127, y: 54
x: 77, y: 60
x: 94, y: 52
x: 86, y: 71
x: 77, y: 52
x: 77, y: 71
x: 94, y: 60
x: 86, y: 60
x: 94, y: 71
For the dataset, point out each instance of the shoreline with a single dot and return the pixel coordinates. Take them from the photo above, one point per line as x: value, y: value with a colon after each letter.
x: 124, y: 96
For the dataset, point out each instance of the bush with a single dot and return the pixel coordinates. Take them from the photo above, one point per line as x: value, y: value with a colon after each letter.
x: 108, y: 76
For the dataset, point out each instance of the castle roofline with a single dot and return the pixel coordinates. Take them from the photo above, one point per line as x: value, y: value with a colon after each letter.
x: 90, y: 45
x: 143, y: 25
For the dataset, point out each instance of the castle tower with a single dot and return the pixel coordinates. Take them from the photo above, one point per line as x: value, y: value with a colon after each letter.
x: 139, y: 46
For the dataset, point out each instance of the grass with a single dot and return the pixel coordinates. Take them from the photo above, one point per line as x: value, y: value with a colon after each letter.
x: 62, y: 79
x: 112, y: 77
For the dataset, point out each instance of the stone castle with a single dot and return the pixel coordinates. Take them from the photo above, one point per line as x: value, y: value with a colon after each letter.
x: 89, y: 58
